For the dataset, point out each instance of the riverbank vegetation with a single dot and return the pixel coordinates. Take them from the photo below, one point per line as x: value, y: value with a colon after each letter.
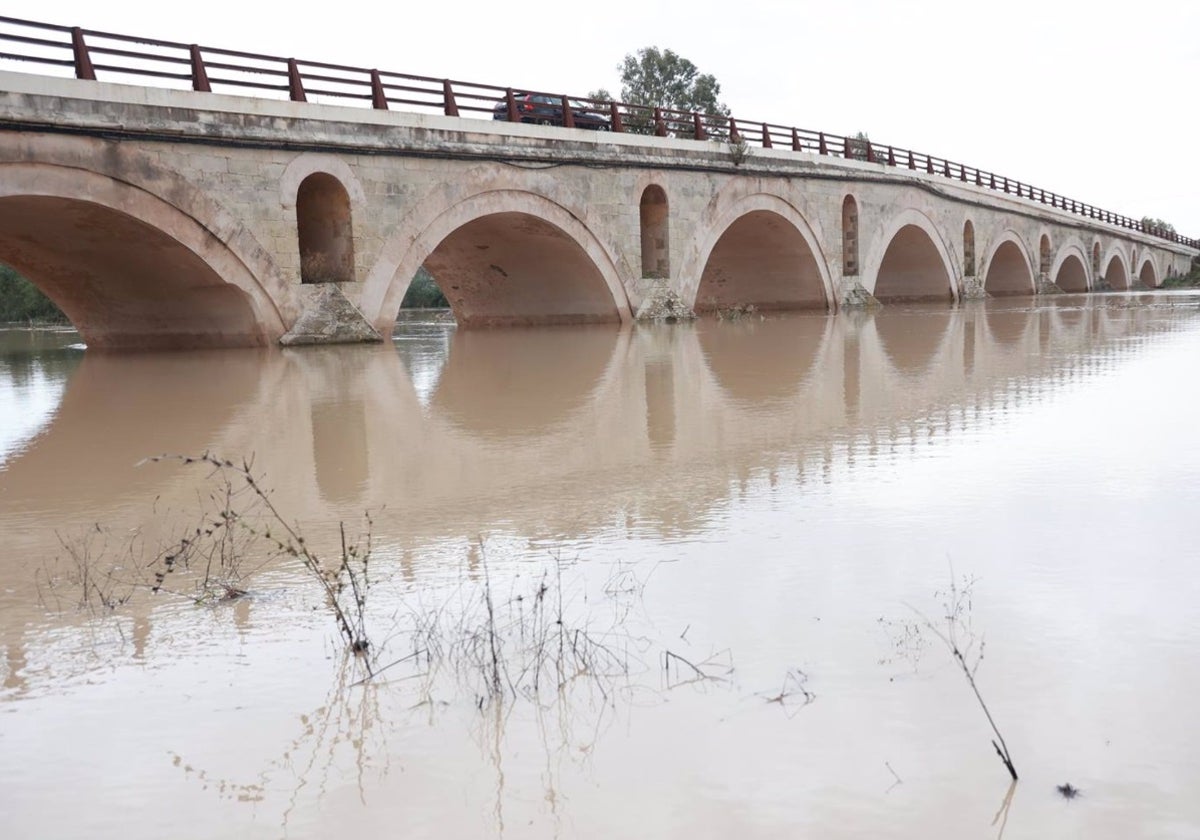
x: 424, y: 293
x: 1184, y: 281
x: 21, y: 301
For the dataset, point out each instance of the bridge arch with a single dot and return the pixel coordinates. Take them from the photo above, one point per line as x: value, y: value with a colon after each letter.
x: 1009, y: 268
x: 761, y: 251
x: 1148, y: 274
x: 503, y: 256
x: 131, y: 269
x: 1115, y: 267
x: 911, y: 261
x: 1070, y: 269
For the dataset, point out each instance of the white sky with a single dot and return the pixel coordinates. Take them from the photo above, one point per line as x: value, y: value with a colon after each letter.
x: 1093, y: 100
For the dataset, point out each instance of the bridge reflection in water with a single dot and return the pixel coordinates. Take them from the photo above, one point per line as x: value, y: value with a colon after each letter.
x: 601, y: 414
x: 542, y: 431
x: 546, y: 432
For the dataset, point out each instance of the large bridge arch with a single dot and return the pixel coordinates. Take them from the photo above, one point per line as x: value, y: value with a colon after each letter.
x: 760, y: 251
x: 1071, y: 269
x: 1148, y: 273
x: 131, y: 269
x: 910, y: 261
x: 1114, y: 267
x: 1009, y: 269
x: 502, y: 256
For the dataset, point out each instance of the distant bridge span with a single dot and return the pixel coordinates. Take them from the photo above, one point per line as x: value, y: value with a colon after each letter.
x: 168, y: 218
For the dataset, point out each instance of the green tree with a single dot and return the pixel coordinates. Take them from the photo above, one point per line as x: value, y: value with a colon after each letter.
x: 858, y: 146
x: 20, y: 300
x: 1151, y: 223
x: 664, y: 79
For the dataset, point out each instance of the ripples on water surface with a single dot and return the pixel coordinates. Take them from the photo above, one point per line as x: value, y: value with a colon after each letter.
x: 765, y: 499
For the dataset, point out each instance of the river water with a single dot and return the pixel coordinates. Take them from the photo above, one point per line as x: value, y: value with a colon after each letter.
x: 692, y: 580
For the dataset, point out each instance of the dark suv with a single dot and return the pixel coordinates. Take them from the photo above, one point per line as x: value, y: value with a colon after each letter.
x: 547, y: 110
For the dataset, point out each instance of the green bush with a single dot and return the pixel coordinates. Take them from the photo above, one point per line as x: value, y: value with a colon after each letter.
x: 423, y: 293
x: 20, y: 300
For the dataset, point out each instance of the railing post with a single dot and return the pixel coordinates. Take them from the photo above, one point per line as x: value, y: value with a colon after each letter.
x: 822, y: 148
x: 766, y: 141
x: 871, y: 153
x: 962, y: 172
x: 698, y: 127
x: 614, y: 117
x: 295, y: 83
x: 912, y: 163
x: 797, y: 146
x: 846, y: 148
x: 568, y: 114
x: 660, y: 127
x: 734, y: 136
x: 978, y: 178
x: 448, y: 104
x: 992, y: 184
x: 511, y: 102
x: 378, y: 97
x: 83, y: 62
x: 928, y: 165
x: 891, y: 158
x: 1006, y: 184
x: 199, y: 75
x: 946, y: 168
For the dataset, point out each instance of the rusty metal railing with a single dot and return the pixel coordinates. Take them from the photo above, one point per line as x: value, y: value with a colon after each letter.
x: 91, y: 54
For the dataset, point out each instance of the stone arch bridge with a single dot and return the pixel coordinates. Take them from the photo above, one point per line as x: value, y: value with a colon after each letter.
x: 164, y: 218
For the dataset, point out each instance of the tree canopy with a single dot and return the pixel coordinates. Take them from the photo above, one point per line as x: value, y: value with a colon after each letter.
x: 665, y: 79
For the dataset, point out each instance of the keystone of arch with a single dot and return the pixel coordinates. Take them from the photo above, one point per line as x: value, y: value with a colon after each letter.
x: 694, y: 263
x: 409, y: 246
x: 218, y: 239
x: 901, y: 220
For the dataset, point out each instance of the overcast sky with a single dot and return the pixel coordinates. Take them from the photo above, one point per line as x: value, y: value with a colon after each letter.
x: 1093, y: 100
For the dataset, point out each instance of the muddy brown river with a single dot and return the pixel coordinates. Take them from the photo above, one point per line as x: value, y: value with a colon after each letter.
x: 682, y: 581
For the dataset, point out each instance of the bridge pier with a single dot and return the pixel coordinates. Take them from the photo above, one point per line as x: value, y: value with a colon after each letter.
x: 660, y: 302
x: 1046, y: 286
x: 853, y: 295
x: 972, y: 289
x: 329, y: 318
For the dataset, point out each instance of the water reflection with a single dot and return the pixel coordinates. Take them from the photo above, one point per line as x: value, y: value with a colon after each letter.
x: 545, y: 431
x: 784, y: 482
x: 520, y: 383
